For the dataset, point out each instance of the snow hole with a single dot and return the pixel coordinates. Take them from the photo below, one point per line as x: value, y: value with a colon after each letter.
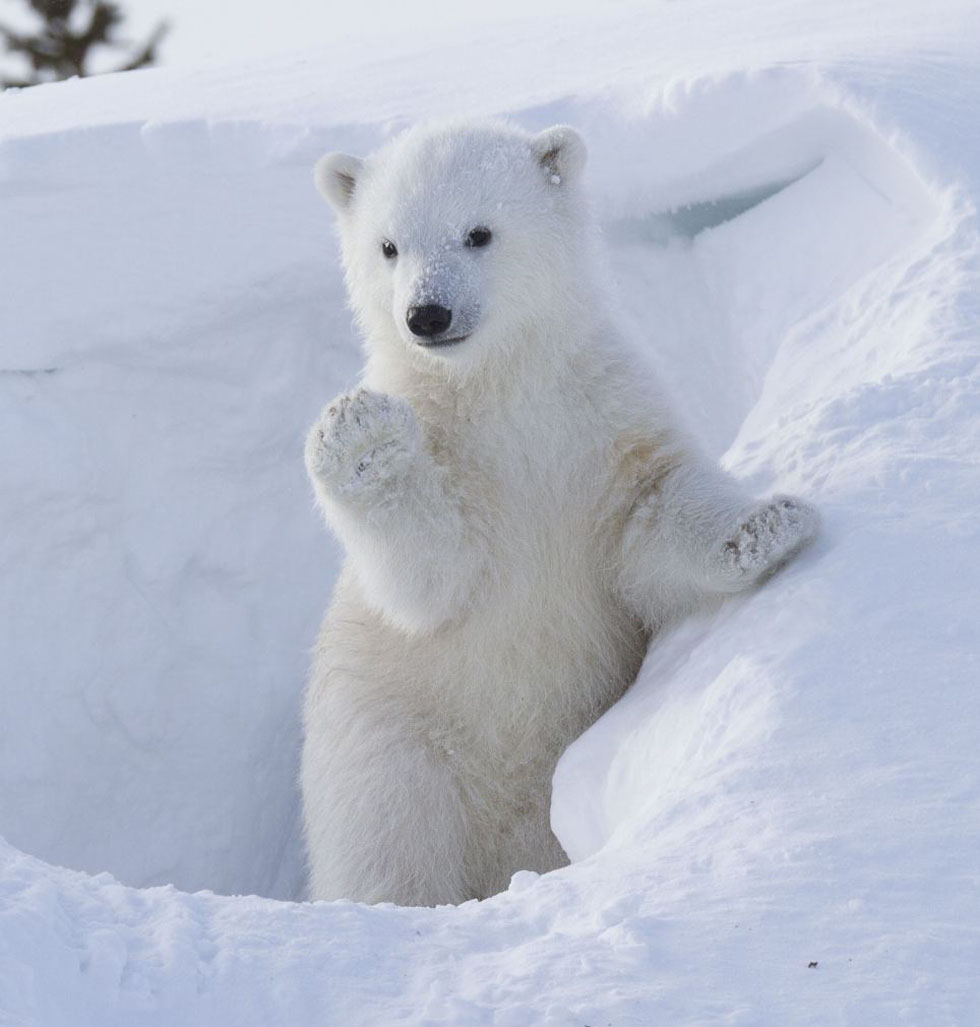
x: 163, y: 569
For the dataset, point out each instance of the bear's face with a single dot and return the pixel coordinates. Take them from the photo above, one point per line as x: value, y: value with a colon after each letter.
x: 452, y: 235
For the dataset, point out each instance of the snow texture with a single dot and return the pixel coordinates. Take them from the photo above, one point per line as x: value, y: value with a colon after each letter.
x: 787, y: 193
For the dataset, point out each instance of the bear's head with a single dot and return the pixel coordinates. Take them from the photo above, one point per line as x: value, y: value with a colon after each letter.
x: 459, y: 239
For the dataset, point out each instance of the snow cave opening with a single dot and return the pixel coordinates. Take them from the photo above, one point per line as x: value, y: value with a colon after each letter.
x: 715, y: 262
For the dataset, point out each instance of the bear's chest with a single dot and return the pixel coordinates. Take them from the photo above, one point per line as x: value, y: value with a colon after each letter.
x: 536, y: 491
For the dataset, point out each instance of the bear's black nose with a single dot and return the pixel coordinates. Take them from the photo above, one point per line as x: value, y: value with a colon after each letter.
x: 428, y: 320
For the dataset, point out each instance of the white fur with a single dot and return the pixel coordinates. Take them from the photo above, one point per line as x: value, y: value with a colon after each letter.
x: 519, y: 511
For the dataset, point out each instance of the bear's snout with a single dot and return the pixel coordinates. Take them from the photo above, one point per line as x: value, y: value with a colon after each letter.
x: 428, y: 320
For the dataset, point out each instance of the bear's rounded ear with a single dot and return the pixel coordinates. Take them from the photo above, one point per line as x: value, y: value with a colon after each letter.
x: 561, y: 152
x: 335, y: 175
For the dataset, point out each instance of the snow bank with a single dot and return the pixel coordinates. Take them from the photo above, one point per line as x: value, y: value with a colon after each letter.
x: 792, y: 779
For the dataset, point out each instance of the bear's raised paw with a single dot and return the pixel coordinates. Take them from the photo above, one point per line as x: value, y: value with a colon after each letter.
x: 362, y: 442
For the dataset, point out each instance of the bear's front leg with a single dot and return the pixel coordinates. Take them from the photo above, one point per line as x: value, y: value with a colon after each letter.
x: 392, y: 506
x: 697, y: 534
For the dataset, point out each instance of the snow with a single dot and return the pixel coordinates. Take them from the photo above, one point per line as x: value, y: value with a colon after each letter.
x: 787, y: 196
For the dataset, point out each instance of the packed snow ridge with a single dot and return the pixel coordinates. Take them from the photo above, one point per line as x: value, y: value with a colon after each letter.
x: 793, y: 777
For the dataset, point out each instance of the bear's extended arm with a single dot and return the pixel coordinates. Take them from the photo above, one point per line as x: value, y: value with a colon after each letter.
x: 388, y: 501
x: 695, y: 533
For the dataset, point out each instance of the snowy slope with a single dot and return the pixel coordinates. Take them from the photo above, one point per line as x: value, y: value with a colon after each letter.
x: 787, y: 195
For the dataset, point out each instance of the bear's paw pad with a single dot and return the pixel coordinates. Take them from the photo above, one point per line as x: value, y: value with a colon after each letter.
x: 768, y: 536
x: 362, y: 440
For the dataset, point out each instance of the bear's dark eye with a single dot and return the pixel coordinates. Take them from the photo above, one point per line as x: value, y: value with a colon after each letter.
x: 479, y: 237
x: 389, y: 249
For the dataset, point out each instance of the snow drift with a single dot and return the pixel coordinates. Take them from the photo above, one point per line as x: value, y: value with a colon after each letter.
x: 793, y: 779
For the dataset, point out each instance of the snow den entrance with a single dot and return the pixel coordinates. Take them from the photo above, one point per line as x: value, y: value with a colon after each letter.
x: 164, y: 571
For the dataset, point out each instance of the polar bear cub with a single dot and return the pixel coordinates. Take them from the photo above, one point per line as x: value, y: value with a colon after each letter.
x: 520, y: 514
